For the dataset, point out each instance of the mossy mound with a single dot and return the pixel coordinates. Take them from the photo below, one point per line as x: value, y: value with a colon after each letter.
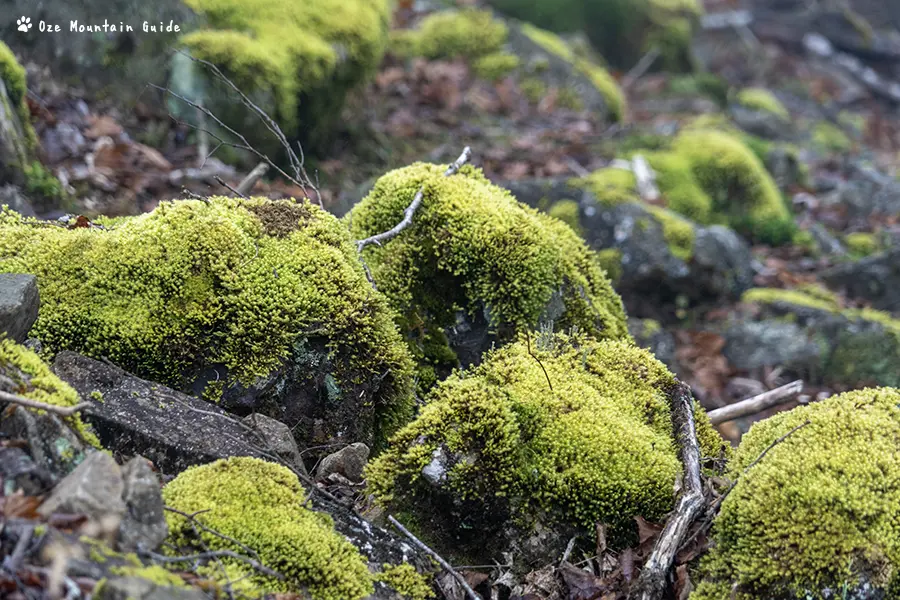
x: 305, y: 56
x: 469, y: 34
x: 556, y: 428
x: 228, y: 291
x: 821, y: 510
x: 26, y: 375
x: 472, y: 247
x: 764, y: 100
x: 260, y: 505
x: 861, y: 244
x: 829, y: 138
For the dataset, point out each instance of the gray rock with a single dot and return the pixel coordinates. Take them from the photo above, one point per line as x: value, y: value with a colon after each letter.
x: 276, y: 437
x: 12, y: 196
x: 20, y: 472
x: 144, y: 523
x: 94, y: 489
x: 19, y: 304
x: 865, y: 192
x: 760, y: 123
x: 874, y: 278
x: 135, y: 588
x: 171, y: 429
x: 348, y: 462
x: 827, y: 242
x: 752, y: 345
x: 53, y: 445
x: 785, y: 167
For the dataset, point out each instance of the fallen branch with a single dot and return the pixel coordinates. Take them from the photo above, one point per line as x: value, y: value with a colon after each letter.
x: 459, y: 578
x: 192, y: 517
x: 63, y: 411
x: 652, y: 582
x: 756, y: 404
x: 413, y: 206
x: 246, y: 185
x: 640, y: 68
x: 228, y: 187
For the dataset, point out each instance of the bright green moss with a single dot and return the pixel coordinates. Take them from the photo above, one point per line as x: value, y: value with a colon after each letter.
x: 533, y: 89
x: 196, y: 284
x: 598, y: 76
x: 473, y: 246
x: 569, y: 213
x: 763, y: 100
x: 610, y: 260
x: 261, y: 505
x: 293, y: 49
x: 829, y: 138
x: 41, y: 182
x: 819, y: 510
x: 155, y: 574
x: 610, y: 186
x: 496, y: 66
x: 705, y: 84
x: 861, y: 244
x: 406, y: 581
x: 597, y: 447
x: 470, y: 34
x: 13, y: 76
x: 799, y: 298
x: 34, y: 380
x: 678, y: 232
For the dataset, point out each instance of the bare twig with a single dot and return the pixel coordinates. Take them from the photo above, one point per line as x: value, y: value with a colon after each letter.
x: 640, y: 68
x: 246, y: 185
x: 413, y: 206
x: 228, y: 187
x: 63, y: 411
x: 756, y: 404
x: 459, y: 578
x: 652, y: 582
x: 214, y: 554
x: 540, y: 364
x: 193, y: 519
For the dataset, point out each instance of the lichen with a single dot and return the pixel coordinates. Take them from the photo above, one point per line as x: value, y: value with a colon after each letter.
x: 577, y: 430
x: 763, y: 100
x: 406, y: 581
x: 829, y: 138
x: 472, y: 246
x: 261, y: 505
x: 33, y: 379
x: 819, y: 511
x: 495, y: 66
x: 198, y: 284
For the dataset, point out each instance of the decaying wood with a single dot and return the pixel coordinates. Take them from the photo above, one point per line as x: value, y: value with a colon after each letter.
x: 756, y: 404
x: 413, y: 206
x: 246, y: 185
x: 652, y: 582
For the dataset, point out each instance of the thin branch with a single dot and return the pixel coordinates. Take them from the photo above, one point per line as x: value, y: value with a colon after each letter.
x: 63, y: 411
x: 246, y: 185
x: 228, y: 187
x: 756, y: 404
x: 640, y: 68
x: 214, y: 554
x: 459, y: 578
x: 193, y: 519
x: 652, y: 582
x: 413, y: 206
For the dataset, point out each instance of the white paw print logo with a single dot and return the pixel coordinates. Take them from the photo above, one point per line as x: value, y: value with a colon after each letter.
x: 24, y: 23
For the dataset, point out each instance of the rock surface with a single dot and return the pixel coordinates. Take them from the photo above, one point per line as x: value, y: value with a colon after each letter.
x: 276, y: 437
x: 136, y: 588
x: 875, y: 279
x: 19, y: 303
x: 53, y: 445
x: 144, y: 523
x: 14, y: 152
x: 348, y: 462
x: 94, y: 489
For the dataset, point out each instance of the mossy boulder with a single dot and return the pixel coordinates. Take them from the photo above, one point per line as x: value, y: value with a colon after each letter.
x: 476, y: 266
x: 17, y: 138
x: 551, y: 431
x: 819, y: 512
x: 261, y: 305
x: 875, y: 278
x: 260, y: 505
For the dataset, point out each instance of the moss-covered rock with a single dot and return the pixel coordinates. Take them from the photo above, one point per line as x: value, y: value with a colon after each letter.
x: 862, y: 244
x: 820, y: 511
x: 262, y: 302
x: 406, y: 581
x: 298, y: 59
x: 830, y: 138
x: 553, y: 429
x: 260, y: 505
x: 470, y: 34
x: 763, y: 100
x: 475, y: 255
x: 17, y: 138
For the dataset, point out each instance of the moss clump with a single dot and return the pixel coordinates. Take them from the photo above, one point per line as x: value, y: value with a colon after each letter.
x: 32, y: 378
x: 406, y: 581
x: 829, y: 138
x: 496, y: 445
x: 763, y: 100
x: 704, y: 84
x: 569, y: 213
x: 678, y: 232
x: 597, y: 75
x: 232, y: 283
x: 470, y: 34
x: 261, y: 505
x: 819, y: 511
x: 472, y: 246
x: 495, y: 66
x: 13, y: 76
x: 800, y: 298
x: 610, y: 260
x: 39, y: 181
x: 155, y: 574
x: 862, y: 244
x: 610, y: 186
x: 296, y: 51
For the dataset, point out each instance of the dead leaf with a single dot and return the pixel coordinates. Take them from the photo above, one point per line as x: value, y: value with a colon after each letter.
x: 647, y: 531
x: 103, y: 126
x: 581, y: 584
x: 20, y: 505
x: 683, y: 586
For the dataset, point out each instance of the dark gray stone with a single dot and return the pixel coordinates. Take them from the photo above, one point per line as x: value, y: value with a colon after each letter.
x: 53, y: 445
x: 144, y: 524
x: 20, y: 472
x: 19, y: 302
x: 276, y: 438
x: 171, y: 429
x: 760, y: 123
x: 94, y: 489
x: 874, y: 278
x: 348, y: 462
x: 752, y: 345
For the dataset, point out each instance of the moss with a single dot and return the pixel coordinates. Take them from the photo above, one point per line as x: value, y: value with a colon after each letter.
x: 472, y: 246
x: 154, y: 574
x: 610, y: 260
x: 569, y: 213
x: 406, y: 581
x: 261, y: 505
x: 200, y: 284
x: 294, y: 50
x: 41, y: 182
x: 496, y: 66
x: 799, y: 298
x: 469, y: 34
x: 763, y: 100
x: 861, y: 244
x: 703, y: 84
x: 97, y: 396
x: 819, y: 511
x: 854, y: 121
x: 597, y: 75
x: 13, y: 76
x: 33, y: 379
x: 678, y: 232
x: 829, y: 138
x: 610, y: 186
x: 592, y: 444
